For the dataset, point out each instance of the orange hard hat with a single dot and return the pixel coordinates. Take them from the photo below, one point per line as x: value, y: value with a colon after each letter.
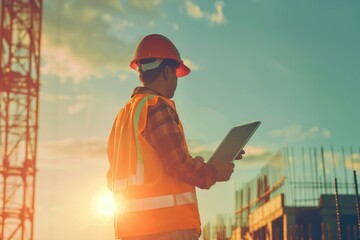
x: 159, y: 47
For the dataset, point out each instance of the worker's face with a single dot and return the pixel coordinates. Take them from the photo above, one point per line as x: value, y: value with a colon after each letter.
x: 172, y: 81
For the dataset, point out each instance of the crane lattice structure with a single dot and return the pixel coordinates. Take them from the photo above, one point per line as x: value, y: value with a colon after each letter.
x: 20, y: 33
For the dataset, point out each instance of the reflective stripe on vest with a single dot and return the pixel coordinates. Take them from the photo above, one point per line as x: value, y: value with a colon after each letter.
x: 134, y: 179
x: 136, y: 125
x: 138, y: 178
x: 152, y: 203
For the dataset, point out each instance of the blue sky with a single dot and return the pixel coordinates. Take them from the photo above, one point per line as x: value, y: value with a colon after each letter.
x: 294, y: 65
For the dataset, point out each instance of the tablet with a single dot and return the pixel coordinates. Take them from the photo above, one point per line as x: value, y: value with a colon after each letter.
x: 234, y: 142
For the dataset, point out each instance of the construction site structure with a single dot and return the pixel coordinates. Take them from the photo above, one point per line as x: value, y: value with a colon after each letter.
x: 306, y: 194
x: 20, y: 34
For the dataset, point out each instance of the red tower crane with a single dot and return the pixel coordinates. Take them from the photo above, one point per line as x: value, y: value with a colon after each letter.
x: 20, y: 33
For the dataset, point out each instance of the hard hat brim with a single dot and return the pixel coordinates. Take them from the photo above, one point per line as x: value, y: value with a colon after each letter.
x: 181, y: 71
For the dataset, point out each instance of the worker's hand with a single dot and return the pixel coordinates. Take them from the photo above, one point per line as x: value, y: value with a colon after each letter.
x: 240, y: 155
x: 199, y: 158
x: 223, y: 170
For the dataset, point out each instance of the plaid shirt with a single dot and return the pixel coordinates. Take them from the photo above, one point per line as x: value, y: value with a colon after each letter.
x: 163, y: 134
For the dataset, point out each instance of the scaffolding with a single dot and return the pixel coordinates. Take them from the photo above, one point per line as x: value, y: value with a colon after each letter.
x: 20, y: 33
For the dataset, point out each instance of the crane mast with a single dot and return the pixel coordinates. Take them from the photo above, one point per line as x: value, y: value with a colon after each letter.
x: 20, y: 33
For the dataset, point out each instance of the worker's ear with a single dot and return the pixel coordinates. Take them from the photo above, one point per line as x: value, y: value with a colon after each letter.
x: 166, y: 72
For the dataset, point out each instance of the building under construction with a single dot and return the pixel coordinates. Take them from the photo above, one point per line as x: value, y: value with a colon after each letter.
x: 306, y: 194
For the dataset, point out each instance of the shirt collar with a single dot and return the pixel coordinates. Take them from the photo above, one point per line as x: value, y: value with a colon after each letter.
x: 145, y: 90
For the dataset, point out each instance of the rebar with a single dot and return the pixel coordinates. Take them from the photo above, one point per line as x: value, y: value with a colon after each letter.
x: 323, y: 163
x: 357, y: 200
x: 337, y: 207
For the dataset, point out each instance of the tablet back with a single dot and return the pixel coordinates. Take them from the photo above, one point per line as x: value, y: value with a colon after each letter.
x: 234, y: 142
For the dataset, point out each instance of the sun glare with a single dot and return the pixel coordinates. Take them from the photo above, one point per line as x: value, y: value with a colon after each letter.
x: 104, y: 204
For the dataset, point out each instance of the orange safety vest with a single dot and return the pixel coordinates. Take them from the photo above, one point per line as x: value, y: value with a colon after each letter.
x: 148, y: 200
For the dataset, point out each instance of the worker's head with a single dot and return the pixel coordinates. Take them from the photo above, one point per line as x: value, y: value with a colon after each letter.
x: 156, y: 58
x: 159, y: 74
x: 150, y: 68
x: 156, y: 46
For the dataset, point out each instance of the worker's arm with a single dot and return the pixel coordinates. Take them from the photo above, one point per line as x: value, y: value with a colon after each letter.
x: 164, y: 134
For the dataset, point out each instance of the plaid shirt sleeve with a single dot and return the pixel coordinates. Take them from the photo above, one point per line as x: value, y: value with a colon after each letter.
x: 164, y: 134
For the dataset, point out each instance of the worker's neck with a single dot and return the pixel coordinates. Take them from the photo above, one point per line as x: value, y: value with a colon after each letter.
x: 156, y: 88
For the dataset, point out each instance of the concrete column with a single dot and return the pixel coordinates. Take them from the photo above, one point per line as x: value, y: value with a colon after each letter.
x: 269, y: 231
x: 288, y: 221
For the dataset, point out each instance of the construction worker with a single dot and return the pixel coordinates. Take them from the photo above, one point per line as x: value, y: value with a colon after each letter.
x: 152, y: 175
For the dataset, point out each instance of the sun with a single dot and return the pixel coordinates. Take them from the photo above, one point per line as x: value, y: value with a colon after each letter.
x: 104, y: 203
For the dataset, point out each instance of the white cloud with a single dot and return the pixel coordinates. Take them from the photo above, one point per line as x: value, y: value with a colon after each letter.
x: 107, y: 18
x: 314, y: 130
x: 335, y: 158
x: 89, y: 13
x: 77, y: 50
x: 196, y: 12
x: 74, y: 103
x: 77, y: 107
x: 123, y: 76
x: 256, y: 151
x: 297, y: 133
x: 193, y: 10
x: 175, y: 26
x: 289, y: 132
x: 64, y: 152
x: 53, y: 98
x: 148, y: 4
x: 191, y: 65
x: 78, y: 103
x: 353, y: 161
x: 326, y: 133
x: 255, y: 156
x: 62, y: 62
x: 122, y: 24
x: 218, y: 17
